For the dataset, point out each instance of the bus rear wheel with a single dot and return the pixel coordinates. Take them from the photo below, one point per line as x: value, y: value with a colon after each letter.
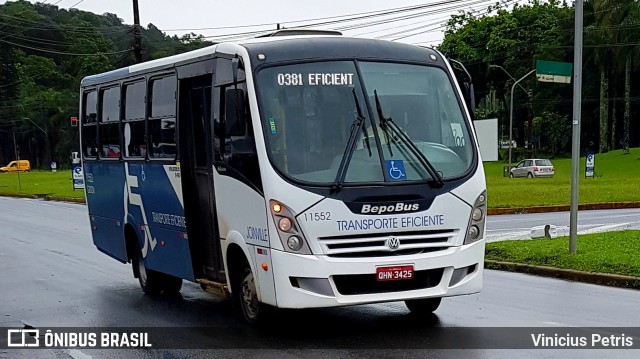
x: 152, y: 282
x: 423, y: 306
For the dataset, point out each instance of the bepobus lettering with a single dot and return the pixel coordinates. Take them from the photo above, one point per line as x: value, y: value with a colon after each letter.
x: 398, y: 207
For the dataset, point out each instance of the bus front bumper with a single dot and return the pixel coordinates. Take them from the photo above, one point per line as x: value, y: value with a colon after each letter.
x: 307, y: 281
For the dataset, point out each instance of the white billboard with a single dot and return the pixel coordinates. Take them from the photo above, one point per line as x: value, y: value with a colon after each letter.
x: 487, y: 132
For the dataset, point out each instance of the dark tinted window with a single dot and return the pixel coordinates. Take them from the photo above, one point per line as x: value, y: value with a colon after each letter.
x: 109, y: 124
x: 163, y: 97
x: 162, y: 133
x: 90, y: 107
x: 89, y: 119
x: 110, y: 104
x: 134, y: 101
x: 162, y: 122
x: 133, y: 127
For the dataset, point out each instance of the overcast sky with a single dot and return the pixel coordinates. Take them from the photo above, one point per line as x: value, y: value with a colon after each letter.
x: 422, y: 26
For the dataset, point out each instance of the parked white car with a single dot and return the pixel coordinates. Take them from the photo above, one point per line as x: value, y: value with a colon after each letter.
x: 533, y: 167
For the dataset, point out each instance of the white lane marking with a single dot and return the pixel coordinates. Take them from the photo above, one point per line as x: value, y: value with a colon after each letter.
x: 76, y: 354
x: 611, y: 227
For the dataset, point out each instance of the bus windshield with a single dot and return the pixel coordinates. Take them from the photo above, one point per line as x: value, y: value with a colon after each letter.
x: 410, y: 126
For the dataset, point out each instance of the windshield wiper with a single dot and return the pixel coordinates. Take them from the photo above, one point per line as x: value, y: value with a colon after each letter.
x: 386, y: 123
x: 357, y: 125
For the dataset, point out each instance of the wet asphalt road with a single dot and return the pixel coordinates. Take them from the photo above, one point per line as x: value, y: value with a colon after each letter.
x: 51, y: 275
x: 518, y: 226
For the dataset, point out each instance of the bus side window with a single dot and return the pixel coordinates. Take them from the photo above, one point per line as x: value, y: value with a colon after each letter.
x: 162, y: 121
x: 239, y: 152
x: 133, y: 131
x: 89, y: 119
x: 110, y: 122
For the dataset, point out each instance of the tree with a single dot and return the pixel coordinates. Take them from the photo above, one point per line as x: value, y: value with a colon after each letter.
x: 619, y: 20
x: 513, y: 40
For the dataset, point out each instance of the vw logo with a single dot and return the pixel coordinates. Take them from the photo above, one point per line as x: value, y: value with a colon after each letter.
x: 393, y: 243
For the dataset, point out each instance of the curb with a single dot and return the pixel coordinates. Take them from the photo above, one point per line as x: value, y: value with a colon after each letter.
x: 613, y: 280
x: 45, y: 198
x: 562, y: 208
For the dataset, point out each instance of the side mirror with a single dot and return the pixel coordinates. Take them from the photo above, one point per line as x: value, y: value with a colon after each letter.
x: 235, y: 119
x: 466, y: 84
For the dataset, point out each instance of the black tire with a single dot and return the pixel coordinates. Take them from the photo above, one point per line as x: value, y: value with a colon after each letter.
x: 529, y: 175
x: 253, y: 311
x: 171, y: 285
x: 152, y: 282
x: 423, y: 306
x: 511, y: 175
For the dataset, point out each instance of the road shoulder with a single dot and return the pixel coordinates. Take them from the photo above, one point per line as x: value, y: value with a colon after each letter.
x: 613, y: 280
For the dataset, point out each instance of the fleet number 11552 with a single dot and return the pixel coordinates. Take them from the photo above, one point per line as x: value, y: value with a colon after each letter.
x: 317, y: 216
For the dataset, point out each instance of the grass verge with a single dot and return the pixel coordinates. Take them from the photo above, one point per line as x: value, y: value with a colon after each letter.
x: 610, y: 252
x: 40, y: 184
x: 616, y: 181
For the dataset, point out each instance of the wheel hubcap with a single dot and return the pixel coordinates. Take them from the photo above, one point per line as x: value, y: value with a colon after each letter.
x: 142, y: 272
x: 249, y: 297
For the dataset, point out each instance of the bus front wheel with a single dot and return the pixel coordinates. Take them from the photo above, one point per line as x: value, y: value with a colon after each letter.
x: 423, y: 306
x: 253, y: 310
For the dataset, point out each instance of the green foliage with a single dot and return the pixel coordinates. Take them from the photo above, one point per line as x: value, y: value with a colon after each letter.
x: 45, y: 51
x: 557, y: 130
x: 514, y: 38
x: 610, y: 252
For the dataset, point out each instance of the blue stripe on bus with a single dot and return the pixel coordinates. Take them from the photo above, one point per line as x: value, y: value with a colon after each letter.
x: 163, y: 210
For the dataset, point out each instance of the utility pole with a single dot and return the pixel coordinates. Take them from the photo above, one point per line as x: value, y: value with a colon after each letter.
x: 575, y: 141
x: 15, y: 147
x: 137, y: 35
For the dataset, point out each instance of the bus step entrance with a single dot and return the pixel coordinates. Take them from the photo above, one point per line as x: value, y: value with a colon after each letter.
x: 215, y: 288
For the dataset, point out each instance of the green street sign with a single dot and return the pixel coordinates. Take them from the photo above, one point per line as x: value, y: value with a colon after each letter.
x: 551, y: 71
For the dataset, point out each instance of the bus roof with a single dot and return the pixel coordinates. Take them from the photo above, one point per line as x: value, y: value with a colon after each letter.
x: 283, y: 48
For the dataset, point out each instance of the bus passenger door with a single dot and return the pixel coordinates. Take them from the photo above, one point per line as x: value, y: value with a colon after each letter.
x: 197, y: 171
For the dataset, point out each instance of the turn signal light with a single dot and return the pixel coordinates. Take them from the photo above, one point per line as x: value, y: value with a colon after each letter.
x: 276, y: 207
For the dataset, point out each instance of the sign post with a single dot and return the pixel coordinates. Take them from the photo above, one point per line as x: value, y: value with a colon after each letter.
x: 551, y: 71
x: 590, y: 165
x: 76, y: 170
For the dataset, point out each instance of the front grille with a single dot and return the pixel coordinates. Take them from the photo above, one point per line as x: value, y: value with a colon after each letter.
x: 374, y: 245
x: 368, y: 284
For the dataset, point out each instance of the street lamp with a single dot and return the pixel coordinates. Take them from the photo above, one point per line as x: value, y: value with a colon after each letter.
x: 512, y: 78
x: 516, y: 82
x: 35, y: 124
x: 511, y: 114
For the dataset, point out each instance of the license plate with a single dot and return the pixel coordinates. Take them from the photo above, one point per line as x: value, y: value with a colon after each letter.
x: 394, y: 273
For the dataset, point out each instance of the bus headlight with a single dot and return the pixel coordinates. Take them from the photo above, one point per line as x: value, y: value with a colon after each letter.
x: 284, y: 224
x: 475, y: 231
x: 291, y: 236
x: 477, y: 214
x: 294, y: 243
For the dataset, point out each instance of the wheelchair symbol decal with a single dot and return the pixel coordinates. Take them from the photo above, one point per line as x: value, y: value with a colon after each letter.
x: 395, y: 169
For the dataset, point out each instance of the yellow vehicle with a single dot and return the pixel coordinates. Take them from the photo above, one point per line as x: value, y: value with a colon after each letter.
x: 20, y: 165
